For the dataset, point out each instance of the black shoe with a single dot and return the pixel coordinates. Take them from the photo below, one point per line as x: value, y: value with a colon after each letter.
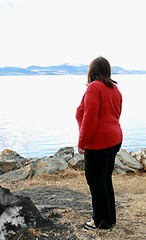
x: 105, y: 226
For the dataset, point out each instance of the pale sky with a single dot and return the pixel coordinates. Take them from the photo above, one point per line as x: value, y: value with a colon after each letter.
x: 52, y: 32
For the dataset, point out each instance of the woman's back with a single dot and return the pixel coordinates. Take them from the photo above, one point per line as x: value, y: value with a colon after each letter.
x: 101, y: 107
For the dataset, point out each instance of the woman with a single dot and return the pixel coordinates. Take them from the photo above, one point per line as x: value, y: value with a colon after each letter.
x: 100, y: 138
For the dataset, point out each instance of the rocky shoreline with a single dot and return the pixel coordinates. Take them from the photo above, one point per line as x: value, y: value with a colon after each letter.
x: 15, y: 167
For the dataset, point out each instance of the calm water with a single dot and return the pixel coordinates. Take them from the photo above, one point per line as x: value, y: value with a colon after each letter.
x: 37, y: 113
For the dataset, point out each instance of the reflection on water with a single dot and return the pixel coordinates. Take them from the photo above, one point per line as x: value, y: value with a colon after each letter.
x: 37, y: 113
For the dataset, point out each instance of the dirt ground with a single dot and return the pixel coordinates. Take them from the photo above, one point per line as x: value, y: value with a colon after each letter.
x: 66, y: 201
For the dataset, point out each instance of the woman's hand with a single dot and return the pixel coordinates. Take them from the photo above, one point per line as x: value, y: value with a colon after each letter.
x: 81, y: 150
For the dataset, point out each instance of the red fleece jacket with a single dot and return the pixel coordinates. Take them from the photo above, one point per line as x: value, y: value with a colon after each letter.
x: 98, y: 117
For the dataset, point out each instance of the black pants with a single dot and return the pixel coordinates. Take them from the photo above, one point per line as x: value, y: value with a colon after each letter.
x: 99, y: 165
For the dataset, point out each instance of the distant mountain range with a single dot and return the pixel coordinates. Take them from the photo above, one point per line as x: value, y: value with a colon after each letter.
x: 63, y: 69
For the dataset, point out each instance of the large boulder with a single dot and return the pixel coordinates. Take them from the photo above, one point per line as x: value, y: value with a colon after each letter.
x: 18, y: 212
x: 49, y: 166
x: 11, y: 160
x: 127, y: 162
x: 141, y: 157
x: 65, y: 153
x: 18, y: 174
x: 77, y: 162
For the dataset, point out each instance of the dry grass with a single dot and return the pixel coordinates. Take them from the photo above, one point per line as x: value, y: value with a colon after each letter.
x: 130, y: 193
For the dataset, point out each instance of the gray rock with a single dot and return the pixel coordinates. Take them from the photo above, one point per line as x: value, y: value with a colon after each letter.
x: 142, y: 158
x: 18, y: 212
x: 11, y: 160
x: 18, y: 174
x: 65, y: 153
x: 119, y: 167
x: 77, y: 162
x: 7, y: 166
x: 129, y: 162
x: 50, y: 165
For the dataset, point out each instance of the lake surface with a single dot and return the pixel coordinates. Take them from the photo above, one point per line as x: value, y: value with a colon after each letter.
x: 37, y: 113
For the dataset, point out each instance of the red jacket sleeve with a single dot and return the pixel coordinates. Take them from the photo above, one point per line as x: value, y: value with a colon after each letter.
x: 90, y: 108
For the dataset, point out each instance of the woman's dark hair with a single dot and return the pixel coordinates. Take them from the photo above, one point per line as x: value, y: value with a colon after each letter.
x: 100, y: 69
